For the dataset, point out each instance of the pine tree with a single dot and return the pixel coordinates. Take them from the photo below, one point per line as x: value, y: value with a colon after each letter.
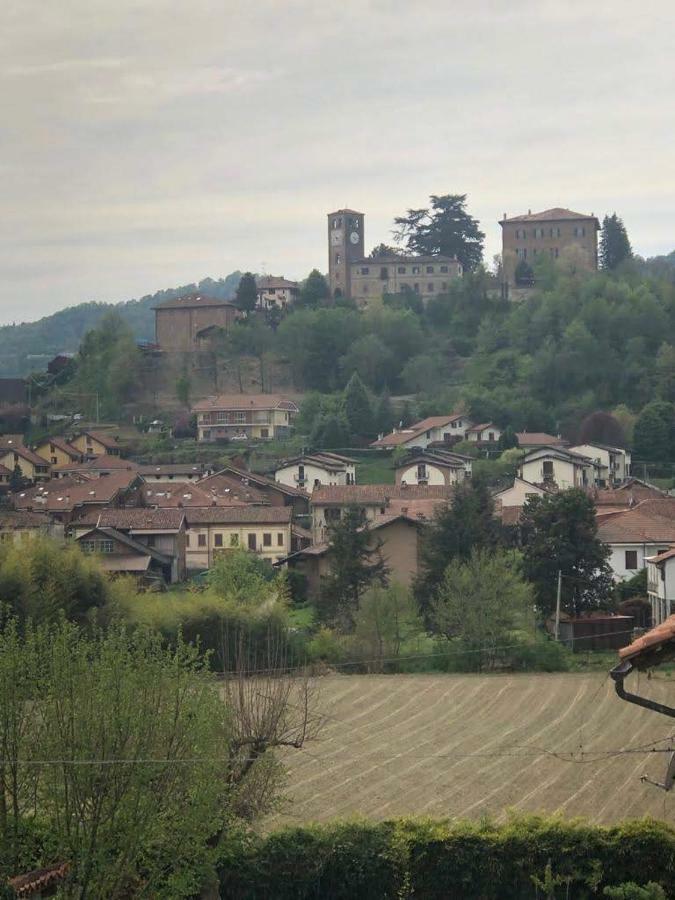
x: 507, y: 439
x: 384, y: 417
x: 247, y: 293
x: 614, y: 244
x: 357, y: 407
x: 355, y: 563
x: 314, y: 292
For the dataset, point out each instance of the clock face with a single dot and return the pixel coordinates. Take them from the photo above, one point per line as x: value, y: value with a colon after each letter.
x: 336, y: 238
x: 354, y: 237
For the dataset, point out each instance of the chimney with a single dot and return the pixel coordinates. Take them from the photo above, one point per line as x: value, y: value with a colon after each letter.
x: 529, y: 212
x: 504, y: 217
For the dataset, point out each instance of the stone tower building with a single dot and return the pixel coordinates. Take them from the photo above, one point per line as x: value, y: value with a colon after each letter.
x: 345, y: 246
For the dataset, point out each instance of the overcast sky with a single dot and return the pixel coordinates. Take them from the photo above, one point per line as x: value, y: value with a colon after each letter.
x: 149, y: 143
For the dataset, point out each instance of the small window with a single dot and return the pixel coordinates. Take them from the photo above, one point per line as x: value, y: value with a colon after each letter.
x: 252, y: 543
x: 547, y: 467
x: 430, y: 270
x: 267, y: 539
x: 416, y: 270
x: 384, y: 273
x: 217, y: 540
x: 430, y: 288
x: 444, y: 269
x: 401, y: 270
x: 365, y: 270
x: 201, y: 540
x: 280, y: 539
x: 382, y: 510
x: 631, y: 559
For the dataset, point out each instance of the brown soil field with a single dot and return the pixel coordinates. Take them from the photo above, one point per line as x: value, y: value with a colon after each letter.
x: 466, y: 746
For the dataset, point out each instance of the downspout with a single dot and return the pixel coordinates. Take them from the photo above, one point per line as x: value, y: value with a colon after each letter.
x: 619, y: 673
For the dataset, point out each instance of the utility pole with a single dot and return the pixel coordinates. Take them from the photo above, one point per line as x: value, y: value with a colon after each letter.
x: 557, y: 604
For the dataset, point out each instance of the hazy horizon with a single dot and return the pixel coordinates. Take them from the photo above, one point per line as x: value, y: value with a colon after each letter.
x: 147, y: 146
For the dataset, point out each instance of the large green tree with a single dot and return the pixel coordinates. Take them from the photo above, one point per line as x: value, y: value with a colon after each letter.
x: 654, y: 433
x: 314, y: 291
x: 358, y: 410
x: 355, y: 564
x: 247, y: 293
x: 444, y: 227
x: 464, y: 525
x: 560, y: 533
x: 614, y: 246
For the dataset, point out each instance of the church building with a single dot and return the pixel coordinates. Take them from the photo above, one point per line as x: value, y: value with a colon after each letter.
x: 363, y: 279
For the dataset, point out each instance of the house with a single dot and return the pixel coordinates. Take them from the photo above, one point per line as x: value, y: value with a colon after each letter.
x: 433, y: 467
x: 65, y: 499
x: 486, y: 434
x: 275, y: 292
x: 179, y: 494
x: 186, y: 473
x: 32, y: 467
x: 211, y: 531
x: 636, y: 534
x: 5, y: 479
x: 96, y: 443
x: 16, y: 525
x: 552, y: 233
x: 253, y: 488
x: 244, y: 417
x: 398, y: 538
x: 179, y: 322
x: 533, y: 440
x: 661, y: 584
x: 58, y: 452
x: 95, y: 468
x: 614, y: 462
x: 158, y: 529
x: 518, y: 494
x: 311, y: 470
x: 555, y: 467
x: 328, y: 503
x: 121, y: 554
x: 434, y: 429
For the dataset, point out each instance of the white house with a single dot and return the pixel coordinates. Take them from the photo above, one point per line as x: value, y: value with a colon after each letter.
x: 313, y: 470
x: 661, y: 584
x: 434, y: 467
x: 633, y: 536
x: 519, y: 493
x: 275, y: 292
x: 434, y: 429
x: 614, y: 462
x: 487, y: 433
x: 557, y: 467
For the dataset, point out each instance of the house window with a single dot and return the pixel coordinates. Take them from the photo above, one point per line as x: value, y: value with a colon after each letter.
x: 430, y: 288
x: 491, y: 435
x: 201, y: 540
x: 54, y: 461
x: 444, y: 269
x: 631, y: 559
x: 384, y: 273
x: 301, y: 473
x: 218, y: 540
x: 401, y: 270
x: 240, y: 418
x: 430, y: 270
x: 267, y: 539
x: 280, y: 539
x: 421, y: 472
x: 382, y: 510
x: 234, y: 540
x: 332, y: 515
x: 365, y: 270
x: 264, y: 432
x: 252, y: 543
x: 87, y: 546
x: 416, y: 270
x: 547, y: 468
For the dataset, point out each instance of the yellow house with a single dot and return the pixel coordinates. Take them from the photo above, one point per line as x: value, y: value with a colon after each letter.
x: 58, y: 452
x: 96, y: 443
x: 32, y: 466
x: 241, y: 417
x: 213, y: 530
x: 17, y: 525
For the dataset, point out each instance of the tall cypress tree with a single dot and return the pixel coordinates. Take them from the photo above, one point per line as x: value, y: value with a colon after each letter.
x: 614, y: 244
x: 357, y: 407
x: 247, y: 293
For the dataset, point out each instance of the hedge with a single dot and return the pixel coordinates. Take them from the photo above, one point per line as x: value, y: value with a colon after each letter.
x: 441, y: 860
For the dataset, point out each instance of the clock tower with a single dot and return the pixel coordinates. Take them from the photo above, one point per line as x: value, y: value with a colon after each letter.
x: 345, y: 246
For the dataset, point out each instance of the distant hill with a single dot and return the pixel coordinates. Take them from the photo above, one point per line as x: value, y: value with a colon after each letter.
x: 29, y: 346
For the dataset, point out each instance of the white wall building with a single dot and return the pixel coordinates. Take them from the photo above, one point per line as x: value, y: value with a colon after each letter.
x: 632, y: 537
x: 435, y: 429
x: 554, y: 466
x: 519, y: 493
x: 486, y: 433
x: 434, y: 467
x: 276, y: 292
x: 316, y: 469
x: 614, y: 462
x: 661, y: 584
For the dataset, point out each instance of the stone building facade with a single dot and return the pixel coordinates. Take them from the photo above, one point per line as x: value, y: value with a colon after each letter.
x: 180, y: 322
x: 555, y: 233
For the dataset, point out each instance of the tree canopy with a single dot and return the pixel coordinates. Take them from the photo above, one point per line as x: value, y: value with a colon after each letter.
x: 444, y: 227
x: 614, y: 245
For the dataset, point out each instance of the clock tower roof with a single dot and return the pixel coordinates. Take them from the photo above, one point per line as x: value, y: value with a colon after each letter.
x: 352, y: 212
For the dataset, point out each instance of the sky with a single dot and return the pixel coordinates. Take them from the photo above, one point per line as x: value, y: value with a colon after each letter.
x: 146, y: 144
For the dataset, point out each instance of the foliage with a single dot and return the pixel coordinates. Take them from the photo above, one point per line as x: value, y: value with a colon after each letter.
x: 444, y: 227
x: 442, y: 860
x: 42, y: 579
x: 357, y: 407
x: 507, y: 439
x: 523, y: 275
x: 386, y: 619
x: 654, y: 435
x: 481, y: 602
x: 603, y: 427
x: 560, y: 533
x: 183, y: 386
x: 314, y: 291
x: 355, y: 564
x: 246, y: 296
x: 632, y: 891
x: 459, y: 528
x: 614, y: 245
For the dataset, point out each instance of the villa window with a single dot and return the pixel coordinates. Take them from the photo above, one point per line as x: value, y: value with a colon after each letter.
x: 631, y: 559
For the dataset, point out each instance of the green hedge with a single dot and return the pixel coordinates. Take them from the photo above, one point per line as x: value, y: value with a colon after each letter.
x: 450, y: 861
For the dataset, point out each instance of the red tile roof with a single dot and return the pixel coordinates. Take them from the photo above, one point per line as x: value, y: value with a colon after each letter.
x: 134, y: 519
x: 63, y: 445
x: 415, y: 430
x: 32, y: 883
x: 165, y: 494
x: 378, y: 494
x: 557, y: 214
x: 25, y: 453
x: 265, y: 282
x: 108, y: 440
x: 63, y: 494
x: 635, y: 526
x: 192, y: 301
x: 234, y: 515
x: 662, y: 557
x: 539, y: 439
x: 650, y: 644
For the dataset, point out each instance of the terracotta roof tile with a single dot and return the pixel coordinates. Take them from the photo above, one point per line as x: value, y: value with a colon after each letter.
x: 190, y: 301
x: 635, y: 526
x: 134, y: 519
x: 556, y: 214
x: 66, y: 494
x: 375, y: 494
x: 245, y: 401
x: 223, y: 515
x: 652, y: 640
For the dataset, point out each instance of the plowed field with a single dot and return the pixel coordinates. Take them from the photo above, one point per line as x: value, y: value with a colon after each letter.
x: 469, y: 745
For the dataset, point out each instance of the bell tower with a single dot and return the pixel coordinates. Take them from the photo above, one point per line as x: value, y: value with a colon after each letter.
x: 345, y: 246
